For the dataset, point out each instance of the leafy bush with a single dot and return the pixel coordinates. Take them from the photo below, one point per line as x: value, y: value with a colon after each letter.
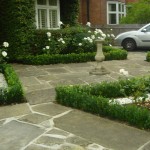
x: 95, y: 99
x: 148, y: 57
x: 112, y: 53
x: 14, y: 92
x: 44, y: 59
x: 54, y: 59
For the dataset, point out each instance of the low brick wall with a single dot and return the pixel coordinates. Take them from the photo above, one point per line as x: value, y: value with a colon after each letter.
x: 119, y: 28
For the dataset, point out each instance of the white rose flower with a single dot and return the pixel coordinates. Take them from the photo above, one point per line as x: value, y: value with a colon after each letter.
x: 108, y: 35
x: 61, y: 39
x: 93, y: 37
x: 60, y: 23
x: 89, y: 31
x: 5, y: 44
x: 49, y: 39
x: 4, y: 53
x: 112, y: 35
x: 80, y: 44
x: 88, y: 24
x: 47, y: 47
x: 104, y: 35
x: 63, y: 42
x: 48, y: 34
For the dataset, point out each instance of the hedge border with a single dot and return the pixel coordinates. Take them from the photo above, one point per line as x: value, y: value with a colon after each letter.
x: 46, y: 59
x: 14, y: 92
x: 82, y: 97
x: 148, y: 56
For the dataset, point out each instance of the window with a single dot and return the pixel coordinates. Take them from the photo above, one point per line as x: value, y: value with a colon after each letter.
x: 47, y: 14
x: 115, y: 11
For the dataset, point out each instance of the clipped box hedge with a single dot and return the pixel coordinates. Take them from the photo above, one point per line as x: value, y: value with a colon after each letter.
x: 95, y: 99
x: 14, y: 92
x: 45, y: 59
x: 148, y: 56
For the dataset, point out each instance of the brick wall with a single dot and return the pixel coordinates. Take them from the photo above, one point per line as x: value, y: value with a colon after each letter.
x: 97, y: 11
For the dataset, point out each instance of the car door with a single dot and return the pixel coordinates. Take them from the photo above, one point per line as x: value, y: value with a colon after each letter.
x: 144, y: 37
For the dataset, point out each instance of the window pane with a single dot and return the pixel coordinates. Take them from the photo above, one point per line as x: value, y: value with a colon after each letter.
x: 112, y: 19
x: 42, y: 18
x: 53, y: 18
x: 112, y: 7
x: 123, y: 8
x: 41, y: 2
x: 119, y: 7
x: 53, y: 2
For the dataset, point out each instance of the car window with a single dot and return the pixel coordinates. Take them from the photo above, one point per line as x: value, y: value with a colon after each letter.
x: 148, y: 28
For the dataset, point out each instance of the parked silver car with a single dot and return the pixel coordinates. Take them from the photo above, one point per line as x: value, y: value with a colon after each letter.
x: 134, y: 39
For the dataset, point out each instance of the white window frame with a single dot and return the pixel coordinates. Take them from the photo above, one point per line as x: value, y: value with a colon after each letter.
x: 117, y: 12
x: 48, y: 8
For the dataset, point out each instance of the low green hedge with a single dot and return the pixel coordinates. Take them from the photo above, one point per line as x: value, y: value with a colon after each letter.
x: 55, y: 59
x: 95, y: 99
x: 112, y: 54
x: 14, y: 92
x: 148, y: 56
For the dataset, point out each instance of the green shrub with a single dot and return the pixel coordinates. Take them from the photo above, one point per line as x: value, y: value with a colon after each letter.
x: 54, y: 59
x: 14, y: 92
x: 112, y: 53
x: 148, y: 56
x: 95, y: 99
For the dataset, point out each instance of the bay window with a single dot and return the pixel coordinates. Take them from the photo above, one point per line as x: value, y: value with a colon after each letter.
x: 47, y: 14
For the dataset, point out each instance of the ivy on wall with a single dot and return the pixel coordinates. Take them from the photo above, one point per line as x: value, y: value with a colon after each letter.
x: 69, y: 11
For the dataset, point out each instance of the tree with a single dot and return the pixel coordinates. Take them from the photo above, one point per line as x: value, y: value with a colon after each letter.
x: 138, y: 13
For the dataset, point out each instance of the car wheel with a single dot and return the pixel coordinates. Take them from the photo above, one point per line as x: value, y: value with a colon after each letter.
x: 129, y: 44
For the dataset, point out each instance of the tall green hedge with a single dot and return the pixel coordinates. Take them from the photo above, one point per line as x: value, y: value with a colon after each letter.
x: 20, y: 25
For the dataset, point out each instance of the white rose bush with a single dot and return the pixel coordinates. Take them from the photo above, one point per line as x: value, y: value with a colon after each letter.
x: 81, y: 42
x: 3, y: 52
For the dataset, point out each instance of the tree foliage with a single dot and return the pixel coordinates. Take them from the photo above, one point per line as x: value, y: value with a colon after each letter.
x: 138, y: 13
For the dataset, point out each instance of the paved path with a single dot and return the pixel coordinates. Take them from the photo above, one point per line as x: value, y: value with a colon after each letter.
x: 42, y: 124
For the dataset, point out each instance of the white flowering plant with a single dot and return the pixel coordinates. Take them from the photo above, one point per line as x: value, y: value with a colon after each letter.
x: 54, y: 45
x: 85, y: 42
x: 3, y: 52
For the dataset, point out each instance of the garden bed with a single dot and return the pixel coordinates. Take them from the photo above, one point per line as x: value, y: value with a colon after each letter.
x: 96, y: 99
x: 13, y: 93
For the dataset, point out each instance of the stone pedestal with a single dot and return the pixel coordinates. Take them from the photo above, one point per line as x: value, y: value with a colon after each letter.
x: 99, y: 57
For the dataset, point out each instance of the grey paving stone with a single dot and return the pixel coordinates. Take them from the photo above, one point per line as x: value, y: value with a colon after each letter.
x: 145, y: 146
x: 15, y: 135
x: 28, y: 81
x: 49, y: 141
x: 36, y: 147
x: 78, y: 141
x: 58, y: 132
x: 41, y: 86
x: 41, y: 96
x: 14, y: 110
x: 102, y: 131
x: 47, y: 77
x: 50, y: 109
x: 34, y: 118
x: 67, y: 146
x: 66, y: 82
x: 57, y: 70
x: 28, y: 73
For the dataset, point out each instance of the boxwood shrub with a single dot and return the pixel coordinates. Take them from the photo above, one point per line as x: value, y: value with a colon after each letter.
x: 43, y: 59
x: 112, y: 53
x: 95, y: 98
x: 148, y: 56
x: 14, y: 92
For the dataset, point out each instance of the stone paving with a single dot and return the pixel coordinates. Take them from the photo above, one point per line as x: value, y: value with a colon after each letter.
x: 42, y: 124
